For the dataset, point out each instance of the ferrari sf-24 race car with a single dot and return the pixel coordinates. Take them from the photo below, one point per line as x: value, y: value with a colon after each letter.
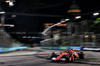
x: 67, y: 56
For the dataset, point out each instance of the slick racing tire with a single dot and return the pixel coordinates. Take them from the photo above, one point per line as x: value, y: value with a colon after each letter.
x: 81, y: 56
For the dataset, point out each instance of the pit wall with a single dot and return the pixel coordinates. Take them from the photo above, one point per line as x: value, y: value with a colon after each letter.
x: 3, y: 49
x: 62, y: 48
x: 72, y: 47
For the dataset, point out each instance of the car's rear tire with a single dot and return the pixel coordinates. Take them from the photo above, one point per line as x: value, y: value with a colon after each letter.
x: 81, y: 56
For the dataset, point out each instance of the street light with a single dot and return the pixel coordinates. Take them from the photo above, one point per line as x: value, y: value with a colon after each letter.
x: 2, y: 12
x: 95, y: 14
x: 67, y: 19
x: 62, y: 21
x: 93, y: 36
x: 77, y: 17
x: 58, y: 23
x: 12, y: 25
x: 11, y: 4
x: 13, y: 15
x: 24, y: 37
x: 86, y: 36
x: 7, y: 1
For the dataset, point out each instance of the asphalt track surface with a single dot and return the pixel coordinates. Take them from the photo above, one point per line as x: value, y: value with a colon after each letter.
x: 91, y: 59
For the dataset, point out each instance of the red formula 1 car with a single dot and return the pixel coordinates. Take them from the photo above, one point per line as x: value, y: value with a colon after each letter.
x: 67, y: 56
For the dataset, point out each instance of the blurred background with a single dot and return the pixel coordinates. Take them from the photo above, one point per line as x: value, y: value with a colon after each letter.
x: 49, y: 23
x: 30, y: 30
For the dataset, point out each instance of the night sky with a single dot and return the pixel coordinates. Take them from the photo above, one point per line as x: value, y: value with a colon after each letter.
x: 44, y: 7
x: 31, y: 14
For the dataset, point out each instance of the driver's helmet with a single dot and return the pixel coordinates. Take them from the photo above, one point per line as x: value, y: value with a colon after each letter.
x: 70, y: 49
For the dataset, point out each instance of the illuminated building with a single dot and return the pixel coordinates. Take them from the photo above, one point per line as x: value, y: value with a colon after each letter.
x: 75, y: 33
